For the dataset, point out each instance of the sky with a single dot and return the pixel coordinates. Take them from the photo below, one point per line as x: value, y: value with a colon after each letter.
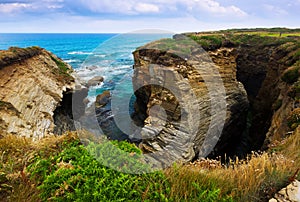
x: 121, y: 16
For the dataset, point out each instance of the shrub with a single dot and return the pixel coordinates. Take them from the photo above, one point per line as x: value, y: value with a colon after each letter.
x: 63, y: 68
x: 291, y: 75
x: 208, y: 42
x: 75, y: 175
x: 64, y: 170
x: 294, y: 119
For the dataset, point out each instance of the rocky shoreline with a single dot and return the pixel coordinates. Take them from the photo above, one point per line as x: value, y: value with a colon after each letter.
x: 260, y: 85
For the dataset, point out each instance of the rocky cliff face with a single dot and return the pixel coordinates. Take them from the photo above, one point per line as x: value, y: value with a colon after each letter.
x: 34, y: 84
x: 260, y: 68
x: 181, y: 90
x: 260, y: 77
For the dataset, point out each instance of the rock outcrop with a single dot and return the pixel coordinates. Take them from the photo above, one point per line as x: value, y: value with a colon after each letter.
x: 33, y: 84
x: 291, y: 193
x: 95, y: 81
x: 186, y: 95
x: 260, y: 71
x: 260, y: 68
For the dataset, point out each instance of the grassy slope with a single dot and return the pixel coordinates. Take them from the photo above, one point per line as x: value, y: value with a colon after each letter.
x: 254, y: 179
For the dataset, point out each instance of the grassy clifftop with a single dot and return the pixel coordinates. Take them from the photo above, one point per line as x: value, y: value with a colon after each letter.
x: 15, y: 54
x: 236, y: 37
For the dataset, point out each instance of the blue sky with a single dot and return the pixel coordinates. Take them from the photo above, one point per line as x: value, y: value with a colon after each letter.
x: 116, y: 16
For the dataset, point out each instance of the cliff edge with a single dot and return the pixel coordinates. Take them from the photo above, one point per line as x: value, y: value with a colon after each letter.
x: 261, y: 78
x: 190, y: 92
x: 33, y: 83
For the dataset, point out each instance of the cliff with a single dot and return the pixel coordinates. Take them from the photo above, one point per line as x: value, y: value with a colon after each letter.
x: 255, y: 71
x: 34, y: 83
x: 197, y: 103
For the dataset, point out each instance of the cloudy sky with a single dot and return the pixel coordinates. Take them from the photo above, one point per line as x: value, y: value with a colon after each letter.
x: 118, y: 16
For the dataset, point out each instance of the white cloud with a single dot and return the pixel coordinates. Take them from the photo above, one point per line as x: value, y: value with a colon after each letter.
x: 13, y: 7
x: 164, y: 7
x: 214, y: 8
x: 146, y: 8
x: 42, y: 6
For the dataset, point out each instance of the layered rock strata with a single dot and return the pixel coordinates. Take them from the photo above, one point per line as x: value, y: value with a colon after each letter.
x: 185, y: 90
x: 33, y: 84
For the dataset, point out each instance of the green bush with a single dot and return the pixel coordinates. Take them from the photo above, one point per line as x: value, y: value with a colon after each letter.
x: 208, y: 42
x: 291, y: 75
x: 211, y: 195
x: 63, y: 68
x: 294, y: 119
x: 75, y: 175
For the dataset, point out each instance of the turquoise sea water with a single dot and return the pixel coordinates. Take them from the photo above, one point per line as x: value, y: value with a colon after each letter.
x: 108, y: 55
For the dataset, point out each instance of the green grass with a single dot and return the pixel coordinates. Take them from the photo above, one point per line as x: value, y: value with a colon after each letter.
x: 62, y: 169
x: 15, y: 54
x: 214, y: 40
x: 179, y: 47
x: 209, y: 42
x: 2, y: 103
x: 63, y: 68
x: 291, y: 75
x: 75, y: 175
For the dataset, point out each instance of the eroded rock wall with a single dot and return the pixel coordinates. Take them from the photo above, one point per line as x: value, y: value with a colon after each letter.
x: 171, y: 70
x: 32, y: 84
x: 268, y: 68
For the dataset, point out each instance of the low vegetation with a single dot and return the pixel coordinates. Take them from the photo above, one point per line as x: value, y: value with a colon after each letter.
x: 14, y: 54
x: 62, y: 169
x: 179, y: 47
x: 209, y: 42
x: 291, y: 75
x: 236, y: 37
x: 63, y: 71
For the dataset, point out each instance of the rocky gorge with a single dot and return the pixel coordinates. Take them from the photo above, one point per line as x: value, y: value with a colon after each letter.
x: 249, y: 67
x: 37, y: 90
x: 240, y: 92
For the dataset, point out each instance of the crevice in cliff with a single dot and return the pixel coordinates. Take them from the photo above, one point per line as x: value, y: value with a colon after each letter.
x: 63, y: 116
x: 255, y: 70
x: 68, y: 110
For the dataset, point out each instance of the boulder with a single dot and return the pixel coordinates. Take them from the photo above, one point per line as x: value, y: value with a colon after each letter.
x: 97, y: 80
x: 99, y: 114
x: 290, y: 193
x: 103, y: 99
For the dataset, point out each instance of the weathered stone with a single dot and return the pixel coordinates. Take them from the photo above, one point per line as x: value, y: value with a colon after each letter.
x: 173, y: 74
x: 97, y: 80
x: 103, y: 99
x: 291, y: 193
x: 99, y: 118
x: 31, y: 90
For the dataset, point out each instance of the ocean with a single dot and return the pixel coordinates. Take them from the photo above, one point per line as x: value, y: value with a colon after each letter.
x: 108, y: 55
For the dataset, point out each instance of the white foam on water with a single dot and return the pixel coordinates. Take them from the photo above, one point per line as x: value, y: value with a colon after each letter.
x: 100, y: 55
x: 71, y: 60
x: 79, y: 53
